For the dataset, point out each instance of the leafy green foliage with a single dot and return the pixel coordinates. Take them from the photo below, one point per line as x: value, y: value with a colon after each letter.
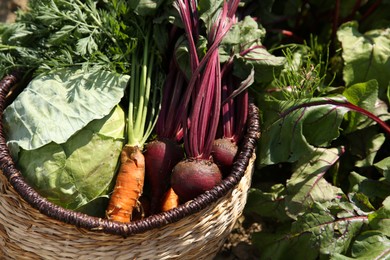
x: 269, y: 204
x: 275, y: 246
x: 332, y: 199
x: 289, y: 134
x: 365, y: 55
x: 56, y: 105
x: 82, y: 56
x: 380, y: 220
x: 304, y: 74
x: 325, y: 229
x: 364, y: 95
x: 322, y: 184
x: 74, y: 32
x: 65, y: 174
x: 259, y: 58
x: 145, y: 7
x: 307, y: 184
x: 383, y: 167
x: 369, y: 245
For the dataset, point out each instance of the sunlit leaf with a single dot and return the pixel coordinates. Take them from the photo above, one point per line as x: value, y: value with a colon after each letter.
x: 380, y: 220
x: 86, y: 45
x: 243, y: 35
x: 289, y: 133
x: 332, y: 234
x: 374, y: 189
x: 55, y: 106
x: 365, y: 55
x: 362, y: 202
x: 369, y: 245
x: 145, y: 7
x: 307, y: 184
x: 79, y: 171
x: 364, y: 95
x: 207, y: 9
x: 384, y: 167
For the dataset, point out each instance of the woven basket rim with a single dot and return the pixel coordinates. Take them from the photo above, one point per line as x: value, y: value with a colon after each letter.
x: 81, y: 220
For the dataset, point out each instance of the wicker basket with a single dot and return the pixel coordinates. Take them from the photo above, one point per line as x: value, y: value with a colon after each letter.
x: 33, y: 228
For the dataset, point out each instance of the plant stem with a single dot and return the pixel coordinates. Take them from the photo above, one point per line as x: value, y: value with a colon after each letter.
x: 143, y: 88
x: 370, y: 10
x: 345, y: 104
x: 190, y: 27
x: 336, y: 17
x: 142, y: 113
x: 173, y: 90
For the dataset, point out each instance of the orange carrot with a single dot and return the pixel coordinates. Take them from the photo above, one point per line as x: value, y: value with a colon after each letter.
x: 129, y: 185
x: 141, y: 117
x: 170, y: 200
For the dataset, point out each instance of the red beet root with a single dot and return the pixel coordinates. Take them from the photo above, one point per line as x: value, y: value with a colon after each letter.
x: 224, y: 152
x: 191, y: 178
x: 160, y: 157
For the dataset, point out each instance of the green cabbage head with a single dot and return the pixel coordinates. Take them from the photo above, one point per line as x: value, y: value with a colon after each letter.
x: 79, y: 173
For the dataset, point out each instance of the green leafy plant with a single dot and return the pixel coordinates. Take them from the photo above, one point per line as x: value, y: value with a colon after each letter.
x: 86, y: 56
x: 70, y: 123
x: 321, y: 187
x: 67, y: 33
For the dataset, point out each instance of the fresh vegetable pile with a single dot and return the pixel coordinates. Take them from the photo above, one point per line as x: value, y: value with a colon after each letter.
x: 152, y: 95
x: 129, y: 108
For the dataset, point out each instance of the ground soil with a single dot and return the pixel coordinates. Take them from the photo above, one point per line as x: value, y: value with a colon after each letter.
x: 8, y: 9
x: 238, y: 244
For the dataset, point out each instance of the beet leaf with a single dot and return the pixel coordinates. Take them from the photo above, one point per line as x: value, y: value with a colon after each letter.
x: 364, y: 55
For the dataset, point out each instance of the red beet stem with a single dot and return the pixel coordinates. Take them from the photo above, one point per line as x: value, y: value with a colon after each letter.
x: 201, y: 125
x: 234, y: 103
x: 167, y: 125
x: 188, y: 14
x: 194, y: 80
x: 345, y: 104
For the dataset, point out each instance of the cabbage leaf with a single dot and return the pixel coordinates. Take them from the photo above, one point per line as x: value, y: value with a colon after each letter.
x: 81, y: 170
x: 55, y: 106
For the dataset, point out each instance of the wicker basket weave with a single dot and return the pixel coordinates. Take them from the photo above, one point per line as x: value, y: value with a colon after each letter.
x: 33, y: 228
